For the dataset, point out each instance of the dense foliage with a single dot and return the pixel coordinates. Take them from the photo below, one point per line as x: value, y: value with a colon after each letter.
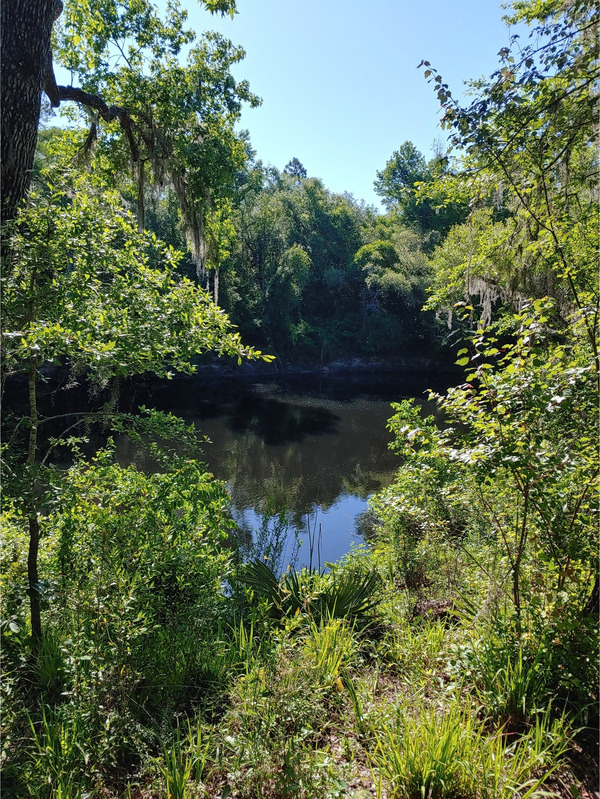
x: 319, y: 274
x: 456, y: 654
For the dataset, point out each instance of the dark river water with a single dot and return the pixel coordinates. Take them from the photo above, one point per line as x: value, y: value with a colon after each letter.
x: 300, y: 459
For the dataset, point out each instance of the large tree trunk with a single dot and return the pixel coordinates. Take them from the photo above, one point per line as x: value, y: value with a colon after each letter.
x: 26, y: 26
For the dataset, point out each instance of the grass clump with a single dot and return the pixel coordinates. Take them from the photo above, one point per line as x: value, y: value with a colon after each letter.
x: 448, y: 752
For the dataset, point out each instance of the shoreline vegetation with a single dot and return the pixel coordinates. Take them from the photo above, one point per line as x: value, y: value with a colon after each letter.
x: 170, y: 668
x: 455, y: 655
x: 396, y: 668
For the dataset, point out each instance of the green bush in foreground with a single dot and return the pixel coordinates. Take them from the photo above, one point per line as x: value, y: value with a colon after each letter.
x: 190, y: 698
x: 135, y: 565
x: 511, y: 482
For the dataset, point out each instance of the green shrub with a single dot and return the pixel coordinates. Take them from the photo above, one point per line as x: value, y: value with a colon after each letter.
x: 341, y: 594
x: 136, y: 566
x: 277, y: 718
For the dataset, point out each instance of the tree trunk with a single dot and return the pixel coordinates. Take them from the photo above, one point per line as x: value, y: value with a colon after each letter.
x: 34, y: 524
x: 26, y: 26
x: 592, y: 606
x: 33, y: 579
x: 216, y: 285
x: 141, y: 204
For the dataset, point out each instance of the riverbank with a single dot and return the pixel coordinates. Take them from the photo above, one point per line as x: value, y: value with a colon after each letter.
x: 59, y: 394
x: 426, y: 365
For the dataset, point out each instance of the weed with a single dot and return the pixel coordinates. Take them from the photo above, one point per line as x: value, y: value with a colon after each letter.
x: 330, y: 646
x: 58, y: 756
x: 414, y: 650
x: 176, y: 767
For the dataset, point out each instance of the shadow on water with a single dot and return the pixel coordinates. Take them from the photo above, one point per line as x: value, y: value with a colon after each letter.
x: 277, y: 422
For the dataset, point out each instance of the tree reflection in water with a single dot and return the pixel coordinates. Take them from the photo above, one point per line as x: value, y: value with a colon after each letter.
x: 300, y: 464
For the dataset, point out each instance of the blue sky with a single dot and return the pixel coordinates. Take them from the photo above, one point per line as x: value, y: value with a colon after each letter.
x: 339, y: 80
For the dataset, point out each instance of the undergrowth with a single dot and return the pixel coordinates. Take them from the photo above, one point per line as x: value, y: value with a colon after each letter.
x: 346, y: 683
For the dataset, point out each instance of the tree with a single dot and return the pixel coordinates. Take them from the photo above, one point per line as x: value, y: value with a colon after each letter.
x: 405, y: 184
x: 529, y: 139
x: 27, y: 71
x: 180, y: 118
x: 220, y: 235
x: 522, y: 419
x: 270, y: 270
x: 292, y: 280
x: 83, y: 285
x: 356, y: 281
x: 396, y: 274
x: 406, y: 167
x: 25, y: 32
x: 295, y: 169
x: 520, y: 447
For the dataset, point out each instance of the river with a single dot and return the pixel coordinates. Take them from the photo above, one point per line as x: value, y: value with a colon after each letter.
x: 300, y: 458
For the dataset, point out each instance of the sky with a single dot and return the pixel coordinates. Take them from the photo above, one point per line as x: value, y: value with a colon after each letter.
x: 339, y: 79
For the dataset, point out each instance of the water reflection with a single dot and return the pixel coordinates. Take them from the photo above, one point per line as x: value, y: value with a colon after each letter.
x: 278, y: 422
x: 318, y: 453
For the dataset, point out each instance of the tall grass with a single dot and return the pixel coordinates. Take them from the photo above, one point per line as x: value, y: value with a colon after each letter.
x: 414, y: 650
x: 58, y: 756
x: 448, y: 753
x: 330, y: 647
x: 513, y: 686
x: 185, y: 761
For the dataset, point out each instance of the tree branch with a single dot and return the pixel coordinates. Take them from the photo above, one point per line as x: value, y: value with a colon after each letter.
x: 107, y: 112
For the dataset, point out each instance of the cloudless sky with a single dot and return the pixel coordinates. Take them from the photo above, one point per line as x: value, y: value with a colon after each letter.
x: 339, y: 80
